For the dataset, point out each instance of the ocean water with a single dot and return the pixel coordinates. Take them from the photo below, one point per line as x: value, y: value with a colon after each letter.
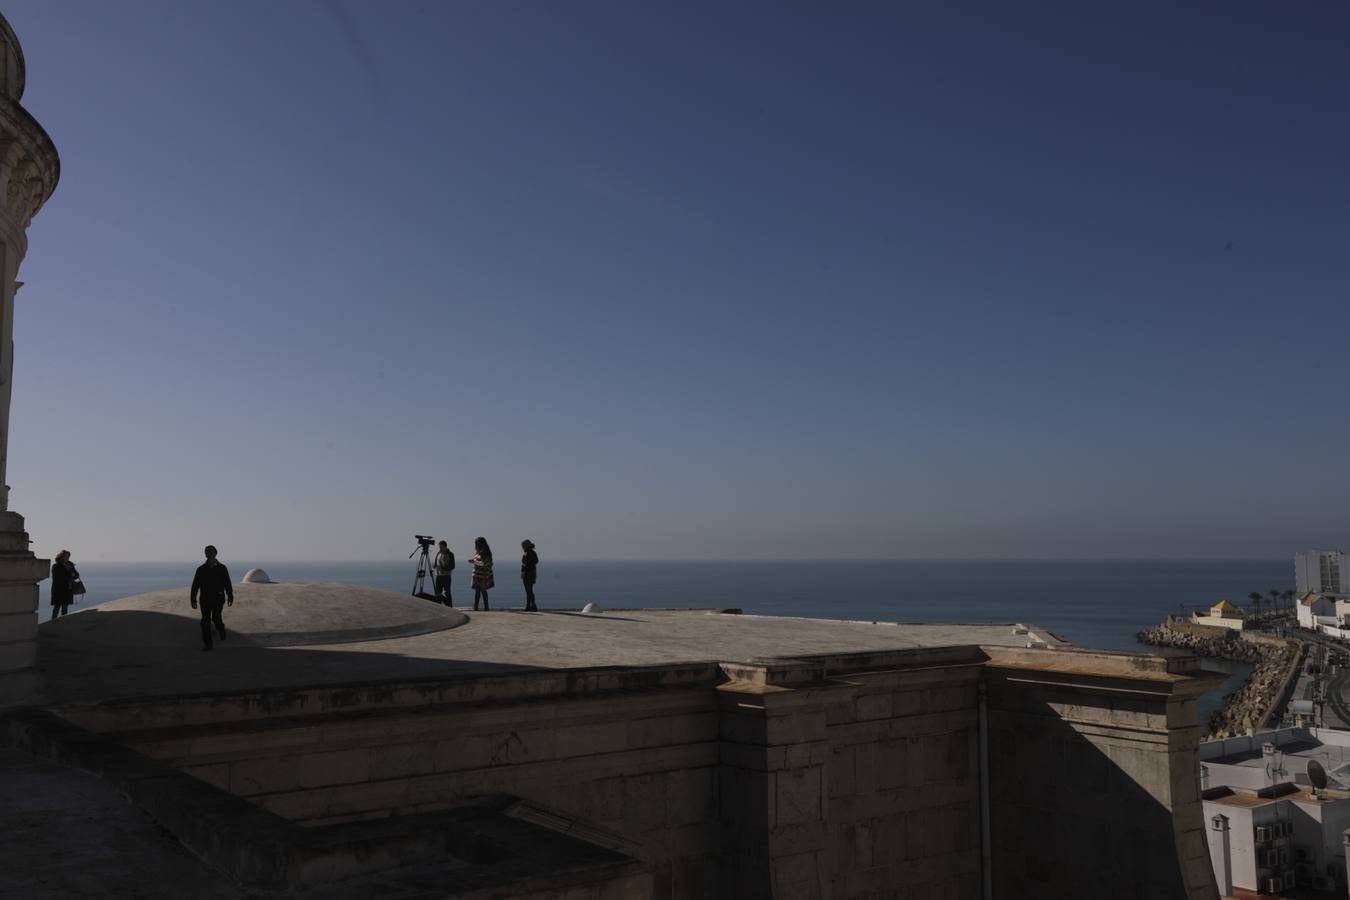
x: 1092, y: 604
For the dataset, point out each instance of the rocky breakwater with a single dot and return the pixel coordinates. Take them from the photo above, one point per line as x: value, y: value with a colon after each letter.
x: 1252, y: 706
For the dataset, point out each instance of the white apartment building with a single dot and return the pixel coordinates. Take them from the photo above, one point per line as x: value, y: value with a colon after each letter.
x: 1268, y: 830
x: 1322, y: 572
x: 1314, y: 610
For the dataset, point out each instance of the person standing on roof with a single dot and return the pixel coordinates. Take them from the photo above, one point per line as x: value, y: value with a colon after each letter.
x: 482, y: 572
x: 212, y: 582
x: 443, y: 566
x: 529, y: 573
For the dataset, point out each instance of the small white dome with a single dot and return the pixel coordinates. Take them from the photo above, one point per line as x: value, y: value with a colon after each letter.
x: 256, y: 576
x: 592, y: 608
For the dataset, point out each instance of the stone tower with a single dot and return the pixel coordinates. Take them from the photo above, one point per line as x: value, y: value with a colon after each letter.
x: 29, y: 168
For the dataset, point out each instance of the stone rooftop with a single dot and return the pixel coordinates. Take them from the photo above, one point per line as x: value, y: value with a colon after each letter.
x: 290, y: 635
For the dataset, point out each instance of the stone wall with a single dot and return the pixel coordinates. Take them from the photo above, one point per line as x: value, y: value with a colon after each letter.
x: 903, y: 776
x: 640, y: 765
x: 851, y: 776
x: 1089, y: 759
x: 838, y: 776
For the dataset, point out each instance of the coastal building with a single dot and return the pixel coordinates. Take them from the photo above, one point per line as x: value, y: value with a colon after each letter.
x: 1322, y: 572
x: 1314, y: 609
x: 1221, y: 615
x: 29, y: 168
x: 1269, y: 830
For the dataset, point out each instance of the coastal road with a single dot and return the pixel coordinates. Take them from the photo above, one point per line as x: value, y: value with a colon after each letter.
x: 1336, y: 711
x: 1336, y: 701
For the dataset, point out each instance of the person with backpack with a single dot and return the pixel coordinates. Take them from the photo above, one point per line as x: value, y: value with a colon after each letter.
x: 443, y: 566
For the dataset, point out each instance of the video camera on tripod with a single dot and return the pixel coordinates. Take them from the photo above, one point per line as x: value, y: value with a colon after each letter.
x: 424, y: 542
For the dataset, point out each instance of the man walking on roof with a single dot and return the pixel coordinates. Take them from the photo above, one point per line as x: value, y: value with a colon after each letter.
x: 212, y: 581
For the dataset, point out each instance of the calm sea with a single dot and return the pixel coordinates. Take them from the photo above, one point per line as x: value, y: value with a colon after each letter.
x: 1092, y: 604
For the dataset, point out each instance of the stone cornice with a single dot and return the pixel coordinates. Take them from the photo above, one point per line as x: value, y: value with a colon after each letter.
x: 29, y: 164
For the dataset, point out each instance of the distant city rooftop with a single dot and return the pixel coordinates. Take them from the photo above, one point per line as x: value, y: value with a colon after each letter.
x: 1294, y: 749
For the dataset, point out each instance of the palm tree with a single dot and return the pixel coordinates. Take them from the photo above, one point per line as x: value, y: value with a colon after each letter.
x: 1288, y: 598
x: 1274, y: 598
x: 1255, y: 597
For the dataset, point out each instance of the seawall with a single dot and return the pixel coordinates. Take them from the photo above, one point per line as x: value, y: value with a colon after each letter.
x: 1259, y: 702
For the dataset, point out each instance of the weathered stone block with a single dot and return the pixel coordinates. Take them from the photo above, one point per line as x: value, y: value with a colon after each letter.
x: 652, y: 732
x: 18, y: 655
x: 336, y: 767
x: 646, y: 802
x: 839, y: 772
x: 946, y: 757
x: 798, y: 796
x: 742, y: 726
x: 265, y: 775
x: 872, y: 706
x: 469, y: 751
x: 216, y: 745
x: 400, y: 760
x: 692, y: 796
x: 892, y: 764
x: 795, y: 727
x: 20, y: 626
x: 523, y: 746
x: 791, y: 875
x: 18, y: 598
x: 602, y: 800
x: 217, y: 774
x: 746, y: 799
x: 585, y: 740
x: 872, y: 882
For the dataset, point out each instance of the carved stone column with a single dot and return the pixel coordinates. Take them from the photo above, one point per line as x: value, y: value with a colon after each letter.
x: 29, y: 168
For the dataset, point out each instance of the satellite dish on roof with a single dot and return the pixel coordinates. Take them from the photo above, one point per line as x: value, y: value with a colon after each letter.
x: 1317, y: 775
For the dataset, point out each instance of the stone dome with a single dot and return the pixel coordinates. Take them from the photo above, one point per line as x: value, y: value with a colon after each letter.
x: 257, y: 576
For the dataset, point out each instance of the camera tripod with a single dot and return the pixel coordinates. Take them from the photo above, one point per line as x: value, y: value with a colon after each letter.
x: 423, y: 567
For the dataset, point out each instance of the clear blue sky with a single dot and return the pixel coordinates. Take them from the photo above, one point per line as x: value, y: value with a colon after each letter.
x: 687, y: 280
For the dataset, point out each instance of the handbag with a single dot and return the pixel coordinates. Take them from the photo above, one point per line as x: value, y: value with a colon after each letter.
x: 76, y: 586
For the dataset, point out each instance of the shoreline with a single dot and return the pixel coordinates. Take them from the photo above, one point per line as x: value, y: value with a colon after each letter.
x: 1261, y: 697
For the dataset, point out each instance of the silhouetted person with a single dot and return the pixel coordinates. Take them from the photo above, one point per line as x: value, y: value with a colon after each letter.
x: 529, y: 571
x: 64, y: 577
x: 482, y: 572
x: 212, y: 581
x: 443, y: 566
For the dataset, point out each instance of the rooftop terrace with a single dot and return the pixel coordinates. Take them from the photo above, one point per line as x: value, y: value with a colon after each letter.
x: 284, y: 635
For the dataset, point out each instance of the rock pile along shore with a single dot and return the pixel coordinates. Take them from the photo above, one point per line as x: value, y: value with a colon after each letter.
x: 1247, y: 708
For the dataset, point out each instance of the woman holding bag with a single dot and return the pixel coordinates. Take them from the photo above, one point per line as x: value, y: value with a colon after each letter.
x: 65, y: 584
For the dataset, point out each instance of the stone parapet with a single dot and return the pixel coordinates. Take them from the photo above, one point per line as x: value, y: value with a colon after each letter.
x: 839, y: 776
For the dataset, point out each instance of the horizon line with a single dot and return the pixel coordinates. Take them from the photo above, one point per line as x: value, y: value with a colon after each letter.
x: 755, y: 559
